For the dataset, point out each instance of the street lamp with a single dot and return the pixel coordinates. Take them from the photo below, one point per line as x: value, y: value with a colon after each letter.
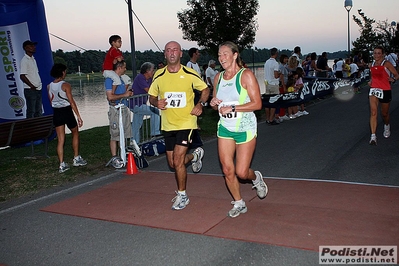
x: 348, y: 6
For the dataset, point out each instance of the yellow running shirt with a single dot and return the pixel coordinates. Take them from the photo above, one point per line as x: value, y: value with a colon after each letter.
x: 177, y: 88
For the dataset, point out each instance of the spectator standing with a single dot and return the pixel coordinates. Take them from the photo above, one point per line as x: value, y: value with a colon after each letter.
x: 194, y: 54
x: 172, y: 92
x: 272, y: 76
x: 353, y: 68
x: 236, y: 97
x: 291, y: 88
x: 393, y: 59
x: 139, y: 107
x: 115, y: 102
x: 283, y: 84
x: 346, y: 69
x: 203, y: 72
x: 339, y: 68
x: 298, y: 55
x: 292, y: 64
x: 31, y: 79
x: 299, y: 86
x: 358, y: 60
x: 354, y: 74
x: 313, y: 69
x: 306, y: 64
x: 60, y: 95
x: 161, y: 65
x: 210, y: 74
x: 322, y: 66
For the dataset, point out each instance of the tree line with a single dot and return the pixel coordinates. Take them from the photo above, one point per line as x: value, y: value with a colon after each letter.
x: 91, y: 60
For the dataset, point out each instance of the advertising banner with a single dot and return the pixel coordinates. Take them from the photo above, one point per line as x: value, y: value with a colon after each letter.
x: 314, y: 88
x: 11, y: 89
x: 22, y: 20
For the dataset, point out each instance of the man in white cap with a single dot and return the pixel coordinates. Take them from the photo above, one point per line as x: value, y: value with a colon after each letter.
x: 32, y: 82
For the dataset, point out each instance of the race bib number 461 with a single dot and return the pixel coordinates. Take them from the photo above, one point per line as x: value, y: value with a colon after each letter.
x: 231, y: 115
x: 176, y: 99
x: 377, y: 93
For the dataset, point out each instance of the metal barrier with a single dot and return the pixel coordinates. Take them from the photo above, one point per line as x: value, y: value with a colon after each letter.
x: 146, y: 119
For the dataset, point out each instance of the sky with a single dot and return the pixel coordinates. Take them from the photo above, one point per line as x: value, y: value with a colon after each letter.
x: 314, y: 25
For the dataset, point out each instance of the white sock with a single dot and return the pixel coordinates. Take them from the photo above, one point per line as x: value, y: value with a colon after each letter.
x: 181, y: 192
x: 372, y: 135
x: 256, y: 180
x: 239, y: 203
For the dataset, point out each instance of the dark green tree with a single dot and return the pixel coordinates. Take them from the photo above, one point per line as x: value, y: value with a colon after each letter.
x: 373, y: 34
x: 388, y: 35
x: 211, y: 22
x: 368, y: 38
x: 59, y: 60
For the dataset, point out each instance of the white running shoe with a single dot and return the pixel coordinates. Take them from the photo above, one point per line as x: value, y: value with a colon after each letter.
x: 304, y: 112
x: 180, y: 201
x: 63, y: 167
x: 261, y: 187
x: 79, y: 161
x: 237, y: 210
x: 298, y: 114
x: 387, y: 131
x: 373, y: 140
x: 117, y: 162
x: 285, y: 117
x: 292, y: 117
x: 197, y: 164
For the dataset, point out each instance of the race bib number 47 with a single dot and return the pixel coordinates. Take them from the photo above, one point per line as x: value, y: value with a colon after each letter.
x: 176, y: 99
x: 377, y: 93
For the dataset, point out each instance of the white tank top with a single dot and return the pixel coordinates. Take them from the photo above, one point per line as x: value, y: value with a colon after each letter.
x: 58, y: 97
x: 231, y: 92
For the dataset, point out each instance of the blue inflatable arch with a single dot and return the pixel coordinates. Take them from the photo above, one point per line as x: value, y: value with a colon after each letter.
x: 22, y: 20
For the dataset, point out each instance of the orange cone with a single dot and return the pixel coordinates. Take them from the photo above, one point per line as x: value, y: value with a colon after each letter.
x: 131, y: 168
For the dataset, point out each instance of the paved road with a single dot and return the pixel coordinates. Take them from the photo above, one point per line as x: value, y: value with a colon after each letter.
x: 329, y: 144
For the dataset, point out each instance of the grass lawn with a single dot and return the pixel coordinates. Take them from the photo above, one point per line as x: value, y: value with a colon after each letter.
x: 21, y: 176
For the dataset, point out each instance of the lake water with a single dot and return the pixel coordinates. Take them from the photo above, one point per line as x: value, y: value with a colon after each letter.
x: 92, y: 103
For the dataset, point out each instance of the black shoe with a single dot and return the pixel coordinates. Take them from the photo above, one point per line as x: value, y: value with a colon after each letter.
x: 274, y: 123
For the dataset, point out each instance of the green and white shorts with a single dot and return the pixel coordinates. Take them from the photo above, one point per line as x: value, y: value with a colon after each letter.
x: 238, y: 137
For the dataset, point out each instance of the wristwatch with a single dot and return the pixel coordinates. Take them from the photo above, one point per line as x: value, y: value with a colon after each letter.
x: 203, y: 103
x: 233, y: 108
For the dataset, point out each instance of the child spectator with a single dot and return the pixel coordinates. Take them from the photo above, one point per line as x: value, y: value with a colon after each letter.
x: 292, y: 110
x: 299, y: 86
x: 113, y: 56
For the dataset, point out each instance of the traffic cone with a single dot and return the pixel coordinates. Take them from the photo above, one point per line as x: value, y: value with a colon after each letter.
x: 131, y: 168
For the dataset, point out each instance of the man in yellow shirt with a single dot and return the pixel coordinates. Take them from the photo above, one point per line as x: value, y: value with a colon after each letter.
x: 172, y: 92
